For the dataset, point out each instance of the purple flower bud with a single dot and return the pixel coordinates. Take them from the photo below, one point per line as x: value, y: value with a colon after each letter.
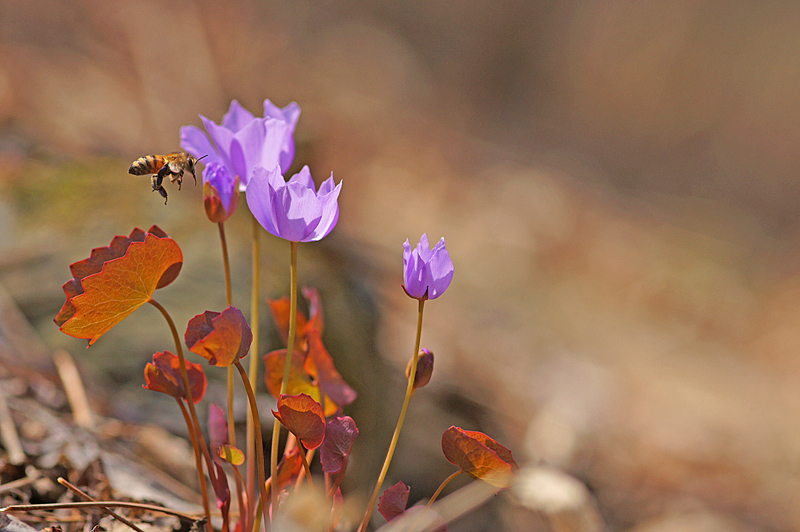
x: 422, y: 375
x: 293, y: 210
x: 427, y: 272
x: 220, y: 192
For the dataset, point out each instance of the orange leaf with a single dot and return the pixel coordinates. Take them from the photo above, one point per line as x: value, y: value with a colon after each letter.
x: 304, y: 418
x: 280, y: 313
x: 479, y: 456
x: 220, y: 337
x: 116, y: 280
x: 289, y: 468
x: 299, y: 380
x: 319, y: 365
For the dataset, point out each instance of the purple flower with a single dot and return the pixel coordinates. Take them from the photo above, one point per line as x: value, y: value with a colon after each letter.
x: 242, y: 142
x: 427, y: 272
x: 220, y: 192
x: 295, y: 210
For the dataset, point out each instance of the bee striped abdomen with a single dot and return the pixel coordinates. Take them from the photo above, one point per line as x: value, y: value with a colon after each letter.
x: 149, y: 164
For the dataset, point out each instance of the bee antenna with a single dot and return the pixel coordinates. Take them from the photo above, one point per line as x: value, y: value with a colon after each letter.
x: 203, y: 157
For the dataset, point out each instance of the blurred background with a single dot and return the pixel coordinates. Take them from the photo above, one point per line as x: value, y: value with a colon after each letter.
x: 616, y: 181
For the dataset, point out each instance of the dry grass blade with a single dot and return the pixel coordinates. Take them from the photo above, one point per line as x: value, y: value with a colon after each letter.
x: 86, y: 496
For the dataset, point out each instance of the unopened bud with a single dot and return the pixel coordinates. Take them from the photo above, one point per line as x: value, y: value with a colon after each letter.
x: 424, y: 368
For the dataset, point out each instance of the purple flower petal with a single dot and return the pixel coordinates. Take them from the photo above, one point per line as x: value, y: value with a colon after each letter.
x: 195, y: 142
x: 426, y: 272
x: 330, y: 212
x: 294, y: 210
x: 219, y: 177
x: 237, y: 117
x: 259, y: 195
x: 297, y: 211
x: 304, y: 178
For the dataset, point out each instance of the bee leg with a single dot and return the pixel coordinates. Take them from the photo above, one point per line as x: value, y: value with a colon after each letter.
x: 156, y: 182
x: 163, y: 192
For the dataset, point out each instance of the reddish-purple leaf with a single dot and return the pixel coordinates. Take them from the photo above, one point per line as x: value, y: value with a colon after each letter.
x: 221, y: 338
x: 217, y: 427
x: 116, y: 280
x: 304, y: 418
x: 422, y: 375
x: 479, y: 456
x: 340, y: 434
x: 163, y: 375
x: 221, y: 489
x: 320, y: 365
x: 393, y: 501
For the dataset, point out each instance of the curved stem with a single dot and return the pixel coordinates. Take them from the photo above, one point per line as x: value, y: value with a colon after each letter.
x: 307, y: 469
x: 253, y: 366
x: 399, y: 426
x: 259, y: 443
x: 229, y: 296
x: 188, y: 389
x: 276, y: 428
x: 226, y: 263
x: 197, y: 458
x: 444, y: 483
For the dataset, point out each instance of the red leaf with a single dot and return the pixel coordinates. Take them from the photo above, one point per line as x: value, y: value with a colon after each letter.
x: 116, y: 280
x: 479, y: 456
x: 304, y: 418
x: 422, y: 375
x: 340, y: 434
x: 163, y: 375
x: 320, y: 365
x: 221, y: 338
x: 393, y: 501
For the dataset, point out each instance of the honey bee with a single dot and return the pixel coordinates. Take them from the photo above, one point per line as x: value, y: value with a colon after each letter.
x: 172, y: 164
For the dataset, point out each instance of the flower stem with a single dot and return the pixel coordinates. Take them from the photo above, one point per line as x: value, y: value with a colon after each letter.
x: 227, y: 265
x: 399, y: 426
x: 253, y: 367
x: 444, y: 483
x: 189, y: 399
x: 276, y: 428
x: 305, y: 463
x: 197, y: 457
x: 257, y: 430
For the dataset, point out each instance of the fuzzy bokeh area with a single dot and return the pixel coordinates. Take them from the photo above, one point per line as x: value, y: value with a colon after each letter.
x: 616, y: 182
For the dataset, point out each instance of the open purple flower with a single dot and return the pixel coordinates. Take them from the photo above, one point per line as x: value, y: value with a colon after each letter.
x: 242, y: 142
x: 293, y: 210
x: 427, y: 272
x: 220, y: 192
